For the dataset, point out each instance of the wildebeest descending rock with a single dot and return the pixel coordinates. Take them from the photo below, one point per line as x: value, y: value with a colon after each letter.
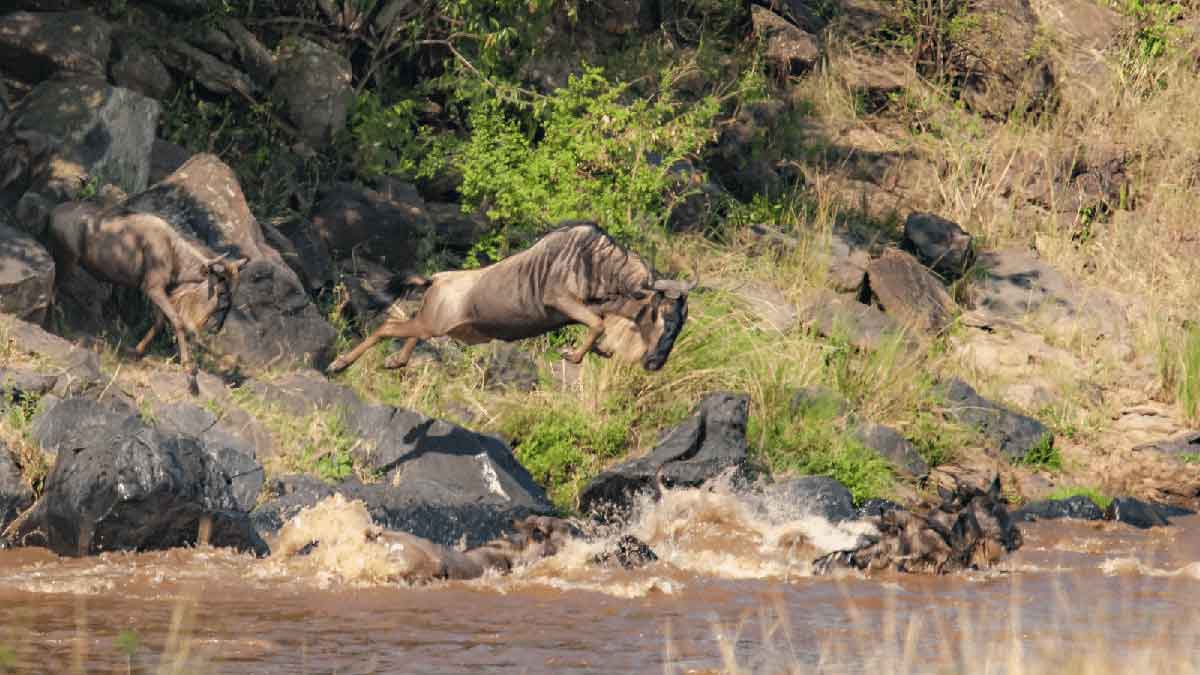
x: 970, y: 529
x: 576, y: 274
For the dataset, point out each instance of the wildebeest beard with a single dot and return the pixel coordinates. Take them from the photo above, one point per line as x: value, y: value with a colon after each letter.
x: 673, y: 320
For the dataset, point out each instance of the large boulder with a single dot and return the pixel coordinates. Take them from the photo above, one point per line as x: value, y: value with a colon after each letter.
x: 100, y: 132
x: 836, y: 316
x: 1001, y: 62
x: 807, y: 496
x: 73, y: 369
x: 135, y: 66
x: 36, y: 46
x: 224, y: 443
x: 1012, y: 433
x: 26, y: 276
x: 790, y: 50
x: 390, y: 227
x: 272, y: 320
x: 206, y: 70
x: 909, y: 292
x: 709, y: 443
x: 313, y: 84
x: 118, y: 484
x: 939, y: 244
x: 15, y: 493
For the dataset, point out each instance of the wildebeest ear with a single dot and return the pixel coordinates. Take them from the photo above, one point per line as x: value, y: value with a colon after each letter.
x: 238, y: 264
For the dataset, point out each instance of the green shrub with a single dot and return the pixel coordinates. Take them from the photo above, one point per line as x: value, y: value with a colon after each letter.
x: 1188, y: 392
x: 1043, y: 455
x: 587, y: 152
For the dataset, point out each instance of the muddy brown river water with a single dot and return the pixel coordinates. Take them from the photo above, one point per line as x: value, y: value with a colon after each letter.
x: 731, y: 592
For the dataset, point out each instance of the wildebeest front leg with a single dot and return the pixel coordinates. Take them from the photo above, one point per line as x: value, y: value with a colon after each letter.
x: 400, y: 358
x: 580, y: 313
x: 159, y: 297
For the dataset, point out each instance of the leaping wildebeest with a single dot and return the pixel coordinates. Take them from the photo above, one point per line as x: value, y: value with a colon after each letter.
x: 185, y: 280
x: 576, y: 274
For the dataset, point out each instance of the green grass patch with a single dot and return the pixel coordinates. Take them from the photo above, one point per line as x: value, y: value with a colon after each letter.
x: 1044, y: 455
x: 1064, y: 492
x: 319, y: 444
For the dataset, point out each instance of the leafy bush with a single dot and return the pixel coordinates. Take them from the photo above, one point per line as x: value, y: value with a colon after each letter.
x: 585, y: 153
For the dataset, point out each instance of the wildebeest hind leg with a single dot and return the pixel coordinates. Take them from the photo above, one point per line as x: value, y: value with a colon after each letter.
x: 400, y: 358
x: 141, y: 347
x: 412, y: 328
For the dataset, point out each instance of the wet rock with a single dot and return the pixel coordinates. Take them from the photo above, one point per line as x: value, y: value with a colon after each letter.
x: 628, y: 553
x: 36, y: 46
x: 389, y: 228
x: 1137, y: 513
x: 425, y: 507
x: 120, y: 485
x: 1078, y: 507
x: 314, y: 89
x: 231, y: 452
x: 875, y: 508
x: 206, y: 70
x: 1013, y: 434
x: 26, y: 276
x: 510, y: 368
x: 895, y: 448
x: 273, y: 321
x: 711, y: 441
x: 788, y: 48
x: 839, y: 317
x: 940, y: 245
x: 1002, y: 67
x: 806, y: 496
x: 136, y: 67
x: 908, y: 291
x: 98, y: 131
x: 15, y: 493
x: 76, y: 369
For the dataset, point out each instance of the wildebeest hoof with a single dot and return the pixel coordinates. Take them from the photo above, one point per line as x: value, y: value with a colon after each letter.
x: 573, y: 357
x: 193, y: 385
x: 335, y: 367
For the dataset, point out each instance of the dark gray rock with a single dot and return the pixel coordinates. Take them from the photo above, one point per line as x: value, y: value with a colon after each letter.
x: 37, y: 45
x: 1078, y: 507
x: 711, y: 441
x: 940, y: 245
x: 835, y: 316
x: 1013, y: 434
x: 208, y: 71
x: 120, y: 485
x: 99, y: 131
x: 894, y: 447
x: 789, y: 49
x: 314, y: 87
x: 453, y: 229
x: 257, y: 60
x: 510, y: 368
x: 272, y: 321
x: 26, y: 276
x: 387, y: 227
x: 15, y: 494
x: 136, y: 67
x: 231, y: 452
x: 313, y: 262
x: 874, y: 508
x: 21, y: 384
x: 1137, y: 513
x: 909, y: 292
x: 76, y: 370
x: 165, y: 158
x: 808, y: 496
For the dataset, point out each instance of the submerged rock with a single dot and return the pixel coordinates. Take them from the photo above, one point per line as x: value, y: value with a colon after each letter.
x: 708, y: 443
x: 120, y: 485
x: 1078, y: 507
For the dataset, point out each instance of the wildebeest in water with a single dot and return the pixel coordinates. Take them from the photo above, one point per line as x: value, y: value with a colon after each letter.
x: 970, y: 529
x: 576, y: 274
